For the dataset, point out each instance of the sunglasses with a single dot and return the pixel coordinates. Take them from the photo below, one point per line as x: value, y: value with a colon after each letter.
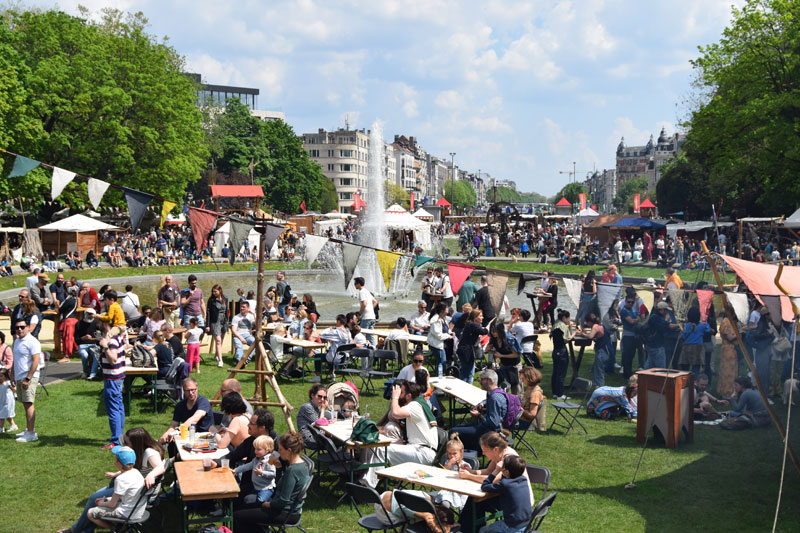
x: 16, y: 328
x: 322, y: 396
x: 419, y: 360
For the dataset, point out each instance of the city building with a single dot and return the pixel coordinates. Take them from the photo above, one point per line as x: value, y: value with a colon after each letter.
x: 215, y: 96
x: 344, y: 157
x: 438, y: 173
x: 636, y: 161
x: 511, y: 184
x: 602, y: 188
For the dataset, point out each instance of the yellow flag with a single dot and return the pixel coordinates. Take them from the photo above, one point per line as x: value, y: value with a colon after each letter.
x: 386, y: 262
x: 166, y: 207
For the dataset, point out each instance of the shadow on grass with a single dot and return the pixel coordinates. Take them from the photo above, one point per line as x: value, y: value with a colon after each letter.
x: 60, y: 441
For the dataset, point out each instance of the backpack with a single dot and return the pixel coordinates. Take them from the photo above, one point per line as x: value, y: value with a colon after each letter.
x: 365, y: 431
x: 645, y: 332
x: 141, y: 356
x: 514, y: 409
x: 287, y: 294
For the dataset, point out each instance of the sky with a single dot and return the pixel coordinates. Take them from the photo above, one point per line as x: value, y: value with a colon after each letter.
x: 517, y: 89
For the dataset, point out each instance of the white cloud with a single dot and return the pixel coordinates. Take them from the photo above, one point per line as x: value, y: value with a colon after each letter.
x: 410, y: 109
x: 211, y: 69
x: 449, y: 99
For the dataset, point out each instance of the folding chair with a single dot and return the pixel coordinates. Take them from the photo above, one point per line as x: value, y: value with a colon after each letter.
x: 371, y: 372
x: 43, y: 375
x: 400, y: 346
x: 518, y: 435
x: 417, y: 504
x: 539, y: 475
x: 137, y: 524
x: 360, y: 494
x: 342, y: 464
x: 569, y: 410
x: 540, y: 512
x: 343, y: 354
x: 441, y: 433
x: 527, y: 358
x: 169, y: 387
x: 288, y: 525
x: 358, y: 364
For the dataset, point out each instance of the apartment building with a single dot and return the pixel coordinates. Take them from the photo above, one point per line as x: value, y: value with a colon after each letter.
x: 344, y: 157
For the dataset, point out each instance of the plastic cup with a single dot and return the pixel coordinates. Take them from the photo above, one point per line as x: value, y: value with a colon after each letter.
x: 225, y: 463
x: 206, y: 464
x: 184, y: 431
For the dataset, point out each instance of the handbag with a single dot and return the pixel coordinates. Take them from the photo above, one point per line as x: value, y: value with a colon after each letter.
x: 781, y: 348
x: 365, y: 431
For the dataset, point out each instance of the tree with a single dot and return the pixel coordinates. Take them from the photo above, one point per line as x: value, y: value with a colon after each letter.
x: 330, y: 198
x: 533, y: 197
x: 502, y: 194
x: 683, y: 187
x: 460, y: 194
x: 623, y: 201
x: 396, y: 194
x: 571, y: 192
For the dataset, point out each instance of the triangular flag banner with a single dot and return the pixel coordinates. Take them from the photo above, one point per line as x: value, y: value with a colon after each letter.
x: 773, y: 303
x: 202, y: 223
x: 458, y: 273
x: 271, y: 235
x: 137, y: 204
x: 704, y: 298
x: 647, y: 298
x: 236, y: 238
x: 61, y: 179
x: 738, y: 302
x: 573, y: 287
x: 498, y: 283
x: 524, y: 278
x: 97, y: 188
x: 606, y: 294
x: 350, y: 255
x: 166, y: 207
x: 677, y: 297
x: 421, y: 260
x: 386, y: 262
x: 23, y: 165
x: 314, y: 244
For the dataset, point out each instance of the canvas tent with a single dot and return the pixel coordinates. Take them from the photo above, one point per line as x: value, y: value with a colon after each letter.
x: 397, y: 218
x: 77, y: 232
x: 792, y: 222
x: 423, y: 215
x: 587, y: 215
x: 222, y: 235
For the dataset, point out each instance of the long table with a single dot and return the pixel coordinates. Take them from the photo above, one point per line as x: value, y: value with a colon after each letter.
x: 306, y: 345
x: 187, y: 455
x: 198, y: 484
x: 341, y: 431
x: 458, y: 390
x: 383, y: 333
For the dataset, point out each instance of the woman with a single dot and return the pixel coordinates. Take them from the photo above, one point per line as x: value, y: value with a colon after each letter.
x: 149, y: 461
x: 534, y: 407
x: 315, y: 408
x: 311, y: 307
x: 286, y: 504
x: 437, y: 334
x: 236, y: 432
x: 495, y: 447
x: 748, y: 408
x: 606, y: 402
x: 600, y: 337
x: 588, y: 297
x: 153, y: 324
x: 469, y: 344
x: 728, y: 357
x: 217, y: 319
x: 67, y: 320
x: 31, y: 315
x: 6, y: 353
x: 504, y: 346
x: 162, y: 352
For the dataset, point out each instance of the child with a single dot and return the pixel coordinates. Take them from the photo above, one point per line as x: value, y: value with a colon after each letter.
x: 515, y: 499
x: 263, y: 468
x: 348, y: 409
x: 455, y: 458
x: 193, y: 335
x: 127, y: 486
x: 7, y: 405
x: 703, y: 399
x: 534, y: 408
x: 693, y: 353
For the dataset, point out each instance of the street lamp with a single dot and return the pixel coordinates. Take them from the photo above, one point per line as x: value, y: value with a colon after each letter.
x: 452, y: 176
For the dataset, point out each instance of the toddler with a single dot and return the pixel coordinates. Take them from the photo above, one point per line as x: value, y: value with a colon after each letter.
x: 7, y: 405
x: 348, y: 409
x: 127, y: 486
x: 193, y: 335
x: 455, y: 458
x: 263, y: 468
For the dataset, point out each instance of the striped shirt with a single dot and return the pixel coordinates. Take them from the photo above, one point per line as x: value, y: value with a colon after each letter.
x: 116, y: 371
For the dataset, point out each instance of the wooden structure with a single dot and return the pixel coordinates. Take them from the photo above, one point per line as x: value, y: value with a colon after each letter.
x: 76, y: 233
x: 237, y: 198
x: 665, y: 401
x: 647, y: 208
x: 563, y: 207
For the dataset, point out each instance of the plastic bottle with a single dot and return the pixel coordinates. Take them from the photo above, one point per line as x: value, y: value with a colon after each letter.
x: 191, y: 434
x: 366, y: 415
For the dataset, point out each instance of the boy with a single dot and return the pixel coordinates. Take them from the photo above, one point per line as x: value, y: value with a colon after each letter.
x: 262, y: 469
x: 515, y: 499
x: 127, y: 486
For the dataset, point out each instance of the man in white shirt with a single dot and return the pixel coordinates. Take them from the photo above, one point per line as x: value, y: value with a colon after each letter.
x: 28, y: 361
x: 407, y: 372
x: 418, y: 323
x: 130, y: 304
x: 400, y: 331
x: 242, y: 330
x: 367, y: 310
x: 443, y: 287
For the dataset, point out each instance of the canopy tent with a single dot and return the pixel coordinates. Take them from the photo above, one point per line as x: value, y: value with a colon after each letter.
x: 443, y: 203
x: 398, y: 219
x: 647, y: 204
x: 337, y: 214
x: 587, y: 215
x: 792, y: 222
x: 423, y: 215
x: 395, y: 208
x: 76, y: 233
x: 636, y: 223
x: 222, y: 235
x: 322, y: 226
x: 563, y: 202
x: 696, y: 225
x: 236, y: 198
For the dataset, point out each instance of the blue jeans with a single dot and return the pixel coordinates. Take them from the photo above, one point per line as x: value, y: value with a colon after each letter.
x: 201, y: 321
x: 501, y: 527
x: 238, y: 347
x: 584, y: 307
x: 470, y: 435
x: 265, y: 495
x: 368, y: 324
x: 467, y: 368
x: 88, y: 360
x: 84, y: 525
x: 282, y: 310
x: 112, y: 397
x: 656, y: 357
x: 441, y: 358
x: 599, y: 367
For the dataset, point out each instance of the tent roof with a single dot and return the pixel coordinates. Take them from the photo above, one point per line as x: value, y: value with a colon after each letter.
x: 636, y: 222
x: 793, y: 221
x: 78, y: 223
x: 421, y: 213
x: 564, y: 202
x: 404, y: 220
x: 588, y: 212
x: 395, y: 208
x: 647, y: 204
x: 237, y: 191
x: 444, y: 203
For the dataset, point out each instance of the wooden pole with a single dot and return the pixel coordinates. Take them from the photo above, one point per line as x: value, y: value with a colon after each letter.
x: 741, y: 232
x: 746, y: 356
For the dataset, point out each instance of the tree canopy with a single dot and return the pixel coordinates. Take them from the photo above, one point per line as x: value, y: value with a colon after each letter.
x: 623, y: 201
x: 461, y: 194
x: 502, y: 194
x: 571, y: 192
x: 396, y: 194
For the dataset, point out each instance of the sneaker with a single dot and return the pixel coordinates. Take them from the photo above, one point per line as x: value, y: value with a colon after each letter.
x: 28, y: 437
x: 13, y: 428
x: 108, y: 446
x: 315, y: 379
x: 769, y: 401
x: 219, y: 364
x: 22, y: 434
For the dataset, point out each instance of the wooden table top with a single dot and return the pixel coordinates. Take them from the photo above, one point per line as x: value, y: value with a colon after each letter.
x: 302, y: 343
x: 461, y: 390
x: 140, y: 370
x: 186, y: 455
x: 197, y: 484
x: 439, y: 479
x: 383, y: 333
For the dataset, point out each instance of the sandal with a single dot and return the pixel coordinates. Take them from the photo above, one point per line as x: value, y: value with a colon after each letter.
x: 63, y: 360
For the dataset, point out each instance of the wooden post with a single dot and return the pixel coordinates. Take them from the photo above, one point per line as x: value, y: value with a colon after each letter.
x: 746, y: 356
x: 741, y: 232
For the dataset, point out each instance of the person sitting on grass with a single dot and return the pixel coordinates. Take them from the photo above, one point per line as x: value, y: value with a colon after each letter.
x: 748, y: 409
x: 606, y: 402
x: 389, y: 512
x: 702, y: 400
x: 262, y: 468
x: 125, y: 501
x: 515, y: 501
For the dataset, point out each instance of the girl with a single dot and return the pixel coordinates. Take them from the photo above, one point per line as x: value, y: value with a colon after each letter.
x: 217, y: 319
x: 153, y: 324
x: 693, y: 353
x: 437, y: 334
x: 454, y: 450
x: 534, y: 408
x: 504, y: 346
x: 263, y: 469
x: 561, y: 335
x: 7, y: 405
x: 192, y: 338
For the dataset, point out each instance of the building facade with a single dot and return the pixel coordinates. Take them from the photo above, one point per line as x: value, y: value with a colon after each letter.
x: 602, y: 188
x: 344, y: 158
x: 636, y: 161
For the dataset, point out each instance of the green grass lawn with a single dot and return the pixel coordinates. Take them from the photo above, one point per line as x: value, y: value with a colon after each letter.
x: 724, y: 481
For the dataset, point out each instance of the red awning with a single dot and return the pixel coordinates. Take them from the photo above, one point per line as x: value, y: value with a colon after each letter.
x: 444, y: 203
x: 647, y: 203
x: 237, y: 191
x: 563, y: 202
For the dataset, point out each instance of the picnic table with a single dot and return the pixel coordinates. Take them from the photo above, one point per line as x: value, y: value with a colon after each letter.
x: 306, y: 345
x: 461, y: 391
x: 341, y: 431
x: 197, y: 484
x: 146, y: 373
x: 383, y: 333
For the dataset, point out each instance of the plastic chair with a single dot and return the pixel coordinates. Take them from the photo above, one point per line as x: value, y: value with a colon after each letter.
x: 569, y: 410
x: 540, y: 512
x: 539, y: 475
x: 356, y: 364
x: 360, y: 494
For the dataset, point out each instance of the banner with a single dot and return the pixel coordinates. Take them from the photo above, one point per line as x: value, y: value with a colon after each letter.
x: 202, y: 223
x: 760, y: 279
x: 738, y: 301
x: 647, y: 298
x: 271, y: 234
x: 387, y: 262
x: 458, y: 273
x: 636, y: 203
x: 239, y: 233
x: 606, y: 294
x: 314, y: 244
x: 412, y: 203
x: 498, y: 283
x: 23, y: 165
x: 421, y: 260
x: 97, y: 188
x: 773, y: 303
x: 525, y: 277
x: 166, y: 207
x: 61, y: 179
x: 137, y: 205
x: 303, y: 206
x: 582, y: 199
x: 350, y: 255
x: 677, y: 297
x: 704, y: 298
x: 573, y: 287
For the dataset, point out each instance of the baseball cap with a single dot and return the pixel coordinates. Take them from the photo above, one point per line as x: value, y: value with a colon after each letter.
x: 89, y: 314
x: 662, y: 305
x: 125, y: 455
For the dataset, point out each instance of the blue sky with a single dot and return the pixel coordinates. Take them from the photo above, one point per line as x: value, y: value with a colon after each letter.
x: 516, y: 89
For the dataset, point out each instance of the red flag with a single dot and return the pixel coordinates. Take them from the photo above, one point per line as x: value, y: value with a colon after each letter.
x: 458, y: 273
x: 704, y: 299
x: 202, y: 223
x: 582, y: 197
x: 636, y: 203
x: 412, y: 202
x: 303, y: 206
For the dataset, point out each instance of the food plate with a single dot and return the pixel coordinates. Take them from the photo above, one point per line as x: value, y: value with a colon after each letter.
x: 201, y: 446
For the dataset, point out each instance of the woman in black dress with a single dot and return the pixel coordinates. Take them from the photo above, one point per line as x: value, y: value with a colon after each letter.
x: 217, y: 319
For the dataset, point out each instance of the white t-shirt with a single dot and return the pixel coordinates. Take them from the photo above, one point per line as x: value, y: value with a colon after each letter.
x: 244, y: 323
x: 420, y: 320
x: 442, y: 282
x: 397, y: 334
x: 520, y: 330
x: 194, y: 335
x: 127, y: 485
x: 407, y: 373
x: 24, y: 350
x: 418, y: 428
x: 369, y: 309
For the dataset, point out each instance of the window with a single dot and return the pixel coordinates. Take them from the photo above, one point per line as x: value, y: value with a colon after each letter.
x: 345, y: 153
x: 311, y: 140
x: 330, y: 153
x: 345, y: 196
x: 345, y: 167
x: 313, y: 153
x: 331, y: 167
x: 345, y: 182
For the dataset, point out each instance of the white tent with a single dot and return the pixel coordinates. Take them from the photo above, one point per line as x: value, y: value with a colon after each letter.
x: 322, y: 226
x: 587, y: 215
x: 793, y: 221
x: 398, y: 218
x: 423, y: 215
x: 222, y: 235
x: 78, y: 223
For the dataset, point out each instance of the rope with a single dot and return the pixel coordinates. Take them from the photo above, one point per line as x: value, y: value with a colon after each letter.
x: 786, y: 440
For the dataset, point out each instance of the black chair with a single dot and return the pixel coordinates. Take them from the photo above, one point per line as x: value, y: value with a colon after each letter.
x: 169, y: 386
x: 342, y: 464
x: 540, y: 475
x: 569, y: 410
x: 357, y: 365
x: 372, y: 372
x: 441, y: 449
x: 319, y: 453
x: 360, y: 494
x: 343, y: 354
x: 417, y: 504
x: 137, y: 524
x: 288, y: 525
x: 540, y: 512
x: 531, y: 359
x: 518, y: 435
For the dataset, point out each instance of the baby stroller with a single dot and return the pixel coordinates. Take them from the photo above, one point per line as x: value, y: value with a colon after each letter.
x: 339, y: 393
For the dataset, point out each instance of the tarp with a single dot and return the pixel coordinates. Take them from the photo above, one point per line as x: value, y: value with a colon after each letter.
x: 78, y: 223
x: 760, y: 279
x: 793, y: 221
x: 695, y: 225
x: 237, y: 191
x: 637, y: 223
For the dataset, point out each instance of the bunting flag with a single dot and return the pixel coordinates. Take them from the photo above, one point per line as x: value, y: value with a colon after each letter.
x: 760, y: 279
x: 386, y: 262
x: 677, y: 297
x: 23, y: 165
x: 271, y: 235
x: 166, y: 207
x: 137, y: 205
x: 738, y: 301
x: 647, y: 298
x: 202, y: 223
x: 704, y: 298
x: 525, y: 277
x: 573, y: 287
x: 314, y: 244
x: 350, y: 255
x: 498, y: 283
x: 61, y: 179
x: 239, y: 233
x: 796, y: 301
x: 606, y: 294
x: 97, y: 188
x: 421, y: 260
x: 773, y: 303
x: 458, y: 273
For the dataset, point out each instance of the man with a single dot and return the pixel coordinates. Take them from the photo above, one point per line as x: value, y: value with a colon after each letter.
x: 228, y: 386
x: 422, y: 440
x: 194, y: 306
x: 367, y: 310
x: 17, y: 312
x: 40, y: 294
x: 484, y: 303
x: 654, y: 339
x: 428, y: 285
x: 242, y: 330
x: 193, y: 409
x: 58, y: 290
x: 168, y: 300
x: 173, y: 340
x: 466, y: 294
x: 113, y: 364
x: 442, y: 285
x: 336, y: 336
x: 261, y: 423
x: 284, y: 292
x: 85, y: 335
x: 130, y: 305
x: 88, y: 297
x: 491, y: 413
x: 673, y: 280
x: 33, y: 279
x: 418, y: 322
x: 27, y: 362
x: 630, y: 317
